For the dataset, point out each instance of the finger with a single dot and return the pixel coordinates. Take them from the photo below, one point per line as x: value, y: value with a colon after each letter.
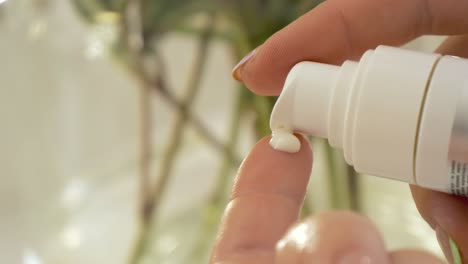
x: 413, y: 256
x: 266, y: 200
x: 445, y: 213
x: 332, y: 237
x: 456, y: 46
x: 343, y: 29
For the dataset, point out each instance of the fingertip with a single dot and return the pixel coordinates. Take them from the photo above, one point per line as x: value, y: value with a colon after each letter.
x: 264, y: 74
x: 263, y: 157
x: 238, y: 69
x: 268, y: 171
x: 266, y: 199
x: 304, y: 141
x: 306, y: 148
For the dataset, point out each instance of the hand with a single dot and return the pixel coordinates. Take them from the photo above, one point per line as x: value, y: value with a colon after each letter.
x: 333, y: 32
x: 266, y: 201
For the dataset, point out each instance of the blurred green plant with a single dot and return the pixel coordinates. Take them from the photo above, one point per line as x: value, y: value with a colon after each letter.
x: 241, y: 24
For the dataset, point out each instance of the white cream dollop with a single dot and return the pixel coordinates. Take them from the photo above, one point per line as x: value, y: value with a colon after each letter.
x: 284, y: 140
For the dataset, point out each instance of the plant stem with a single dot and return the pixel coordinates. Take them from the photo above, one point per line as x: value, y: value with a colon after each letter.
x: 343, y: 180
x: 182, y: 117
x: 214, y: 207
x: 132, y: 32
x: 162, y: 88
x: 307, y: 208
x: 353, y: 183
x: 218, y: 196
x: 175, y: 140
x: 146, y: 131
x: 337, y: 186
x: 263, y: 111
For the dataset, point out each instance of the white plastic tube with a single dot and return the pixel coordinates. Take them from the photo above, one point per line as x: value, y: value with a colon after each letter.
x: 397, y: 114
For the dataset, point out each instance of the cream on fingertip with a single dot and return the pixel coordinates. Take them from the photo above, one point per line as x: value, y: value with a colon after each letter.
x: 284, y: 140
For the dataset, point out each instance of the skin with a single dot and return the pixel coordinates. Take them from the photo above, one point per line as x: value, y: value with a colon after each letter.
x: 260, y: 222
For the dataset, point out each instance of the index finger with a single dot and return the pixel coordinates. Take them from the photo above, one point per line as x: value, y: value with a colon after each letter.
x: 343, y: 29
x: 266, y: 200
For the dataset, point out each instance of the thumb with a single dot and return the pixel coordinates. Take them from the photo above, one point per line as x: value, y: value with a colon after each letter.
x: 447, y: 214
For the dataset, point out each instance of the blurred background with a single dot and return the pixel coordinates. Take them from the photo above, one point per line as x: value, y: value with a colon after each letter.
x: 122, y: 129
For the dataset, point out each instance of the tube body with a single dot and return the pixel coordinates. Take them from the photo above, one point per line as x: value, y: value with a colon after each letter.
x: 396, y: 113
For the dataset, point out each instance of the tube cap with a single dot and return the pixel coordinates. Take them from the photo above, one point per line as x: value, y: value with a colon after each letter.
x: 305, y: 101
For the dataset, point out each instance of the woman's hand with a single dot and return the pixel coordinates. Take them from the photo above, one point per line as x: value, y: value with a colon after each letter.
x: 338, y: 30
x: 271, y: 185
x: 266, y: 201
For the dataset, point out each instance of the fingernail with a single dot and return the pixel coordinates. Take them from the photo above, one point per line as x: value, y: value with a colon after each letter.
x: 236, y: 72
x: 443, y: 239
x: 356, y: 257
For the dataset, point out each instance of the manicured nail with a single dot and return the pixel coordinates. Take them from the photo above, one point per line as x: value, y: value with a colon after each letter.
x: 356, y: 257
x: 443, y: 239
x: 236, y: 72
